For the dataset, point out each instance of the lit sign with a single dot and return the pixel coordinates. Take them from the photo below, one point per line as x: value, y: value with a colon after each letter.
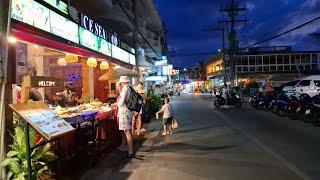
x: 92, y: 26
x: 132, y: 59
x: 58, y: 4
x: 46, y: 83
x: 104, y: 47
x: 120, y: 54
x: 156, y: 78
x: 161, y: 63
x: 42, y: 81
x: 32, y: 13
x: 88, y: 39
x: 64, y: 28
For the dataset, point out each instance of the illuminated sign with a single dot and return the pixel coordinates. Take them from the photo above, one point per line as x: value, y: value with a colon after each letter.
x: 88, y: 39
x: 161, y: 63
x: 64, y: 28
x: 120, y: 54
x: 92, y: 26
x: 132, y: 58
x: 104, y: 47
x: 58, y: 4
x: 32, y: 13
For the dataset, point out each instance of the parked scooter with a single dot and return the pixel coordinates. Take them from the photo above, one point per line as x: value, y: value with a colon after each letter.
x: 292, y: 109
x: 232, y: 99
x: 316, y: 104
x: 282, y: 104
x: 305, y: 110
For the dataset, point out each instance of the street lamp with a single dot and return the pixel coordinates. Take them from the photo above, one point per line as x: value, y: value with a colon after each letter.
x: 219, y: 50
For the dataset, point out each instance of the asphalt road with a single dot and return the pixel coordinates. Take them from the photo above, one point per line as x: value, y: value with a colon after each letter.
x: 220, y: 143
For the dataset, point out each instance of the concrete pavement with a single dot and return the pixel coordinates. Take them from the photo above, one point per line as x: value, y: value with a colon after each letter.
x: 225, y: 143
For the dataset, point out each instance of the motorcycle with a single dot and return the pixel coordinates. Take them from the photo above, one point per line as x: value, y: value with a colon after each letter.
x: 232, y: 99
x: 305, y: 110
x: 316, y: 104
x: 255, y: 100
x: 281, y: 106
x: 292, y: 109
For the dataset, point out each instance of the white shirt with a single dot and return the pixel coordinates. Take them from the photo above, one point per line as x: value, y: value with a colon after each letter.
x: 167, y: 110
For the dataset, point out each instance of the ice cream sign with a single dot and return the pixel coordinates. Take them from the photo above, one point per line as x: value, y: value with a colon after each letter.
x: 93, y: 26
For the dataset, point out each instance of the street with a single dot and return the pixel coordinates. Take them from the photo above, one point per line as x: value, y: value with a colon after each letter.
x: 224, y: 143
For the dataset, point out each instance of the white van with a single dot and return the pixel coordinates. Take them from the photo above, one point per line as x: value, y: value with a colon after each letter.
x: 290, y: 88
x: 309, y: 85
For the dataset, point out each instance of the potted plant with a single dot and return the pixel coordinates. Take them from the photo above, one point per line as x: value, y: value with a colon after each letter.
x: 15, y: 163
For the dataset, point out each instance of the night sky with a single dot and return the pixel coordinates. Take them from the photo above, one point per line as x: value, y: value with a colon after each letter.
x: 185, y: 20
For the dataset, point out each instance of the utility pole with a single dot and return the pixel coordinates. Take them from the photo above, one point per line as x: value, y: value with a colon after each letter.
x: 233, y: 10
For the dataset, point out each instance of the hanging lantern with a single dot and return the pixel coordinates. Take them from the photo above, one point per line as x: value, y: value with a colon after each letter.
x: 62, y: 62
x: 104, y: 65
x: 71, y: 58
x: 92, y: 62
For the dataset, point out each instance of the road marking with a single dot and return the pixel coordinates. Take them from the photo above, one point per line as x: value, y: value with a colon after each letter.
x: 277, y: 156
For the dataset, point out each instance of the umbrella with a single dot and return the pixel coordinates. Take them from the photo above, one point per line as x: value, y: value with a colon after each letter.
x: 115, y: 73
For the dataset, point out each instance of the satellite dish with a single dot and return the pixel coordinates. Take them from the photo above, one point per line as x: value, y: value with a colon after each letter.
x: 73, y: 13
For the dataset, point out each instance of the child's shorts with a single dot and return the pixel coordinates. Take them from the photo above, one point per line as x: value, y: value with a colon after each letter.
x: 167, y: 121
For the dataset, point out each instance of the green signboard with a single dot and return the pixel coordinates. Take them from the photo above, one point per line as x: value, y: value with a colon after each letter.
x: 104, y: 47
x: 58, y: 4
x: 32, y: 13
x: 88, y: 39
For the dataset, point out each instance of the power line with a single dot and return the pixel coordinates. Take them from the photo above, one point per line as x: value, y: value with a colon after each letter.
x: 286, y: 32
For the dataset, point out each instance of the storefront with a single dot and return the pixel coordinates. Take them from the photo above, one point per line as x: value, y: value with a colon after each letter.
x: 45, y: 41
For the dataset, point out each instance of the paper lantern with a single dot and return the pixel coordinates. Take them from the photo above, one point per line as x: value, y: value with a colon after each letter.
x: 71, y: 58
x: 104, y: 65
x: 92, y: 62
x: 62, y: 62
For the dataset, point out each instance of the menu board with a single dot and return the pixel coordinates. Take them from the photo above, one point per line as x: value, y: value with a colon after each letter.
x: 42, y: 119
x: 104, y: 47
x: 88, y: 39
x: 58, y: 4
x: 120, y: 54
x: 32, y: 13
x: 63, y: 27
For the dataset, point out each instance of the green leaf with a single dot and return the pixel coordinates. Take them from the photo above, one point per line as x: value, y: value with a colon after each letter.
x: 9, y: 175
x: 21, y: 176
x: 39, y: 152
x: 8, y: 161
x: 12, y: 153
x: 15, y: 167
x: 45, y: 168
x: 48, y: 157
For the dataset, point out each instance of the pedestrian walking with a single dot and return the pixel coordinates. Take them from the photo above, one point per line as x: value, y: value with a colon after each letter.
x: 125, y: 115
x: 138, y: 117
x: 167, y: 111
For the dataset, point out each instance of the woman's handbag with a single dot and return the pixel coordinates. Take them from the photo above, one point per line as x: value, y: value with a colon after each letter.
x: 175, y: 124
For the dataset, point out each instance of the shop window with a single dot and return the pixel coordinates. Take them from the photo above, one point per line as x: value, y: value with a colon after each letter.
x: 273, y: 68
x: 293, y: 59
x: 238, y: 60
x: 280, y: 68
x: 286, y: 59
x: 287, y: 68
x: 305, y: 58
x: 259, y: 68
x: 245, y: 69
x: 273, y: 59
x: 252, y: 60
x: 266, y: 60
x: 308, y: 67
x: 305, y: 83
x: 293, y: 67
x: 252, y: 69
x: 279, y: 59
x: 314, y: 67
x: 314, y: 58
x: 239, y: 69
x: 244, y: 60
x: 265, y: 68
x: 259, y: 60
x: 301, y: 67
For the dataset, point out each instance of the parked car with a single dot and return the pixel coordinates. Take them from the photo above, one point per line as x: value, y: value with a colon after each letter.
x: 289, y: 88
x: 309, y: 85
